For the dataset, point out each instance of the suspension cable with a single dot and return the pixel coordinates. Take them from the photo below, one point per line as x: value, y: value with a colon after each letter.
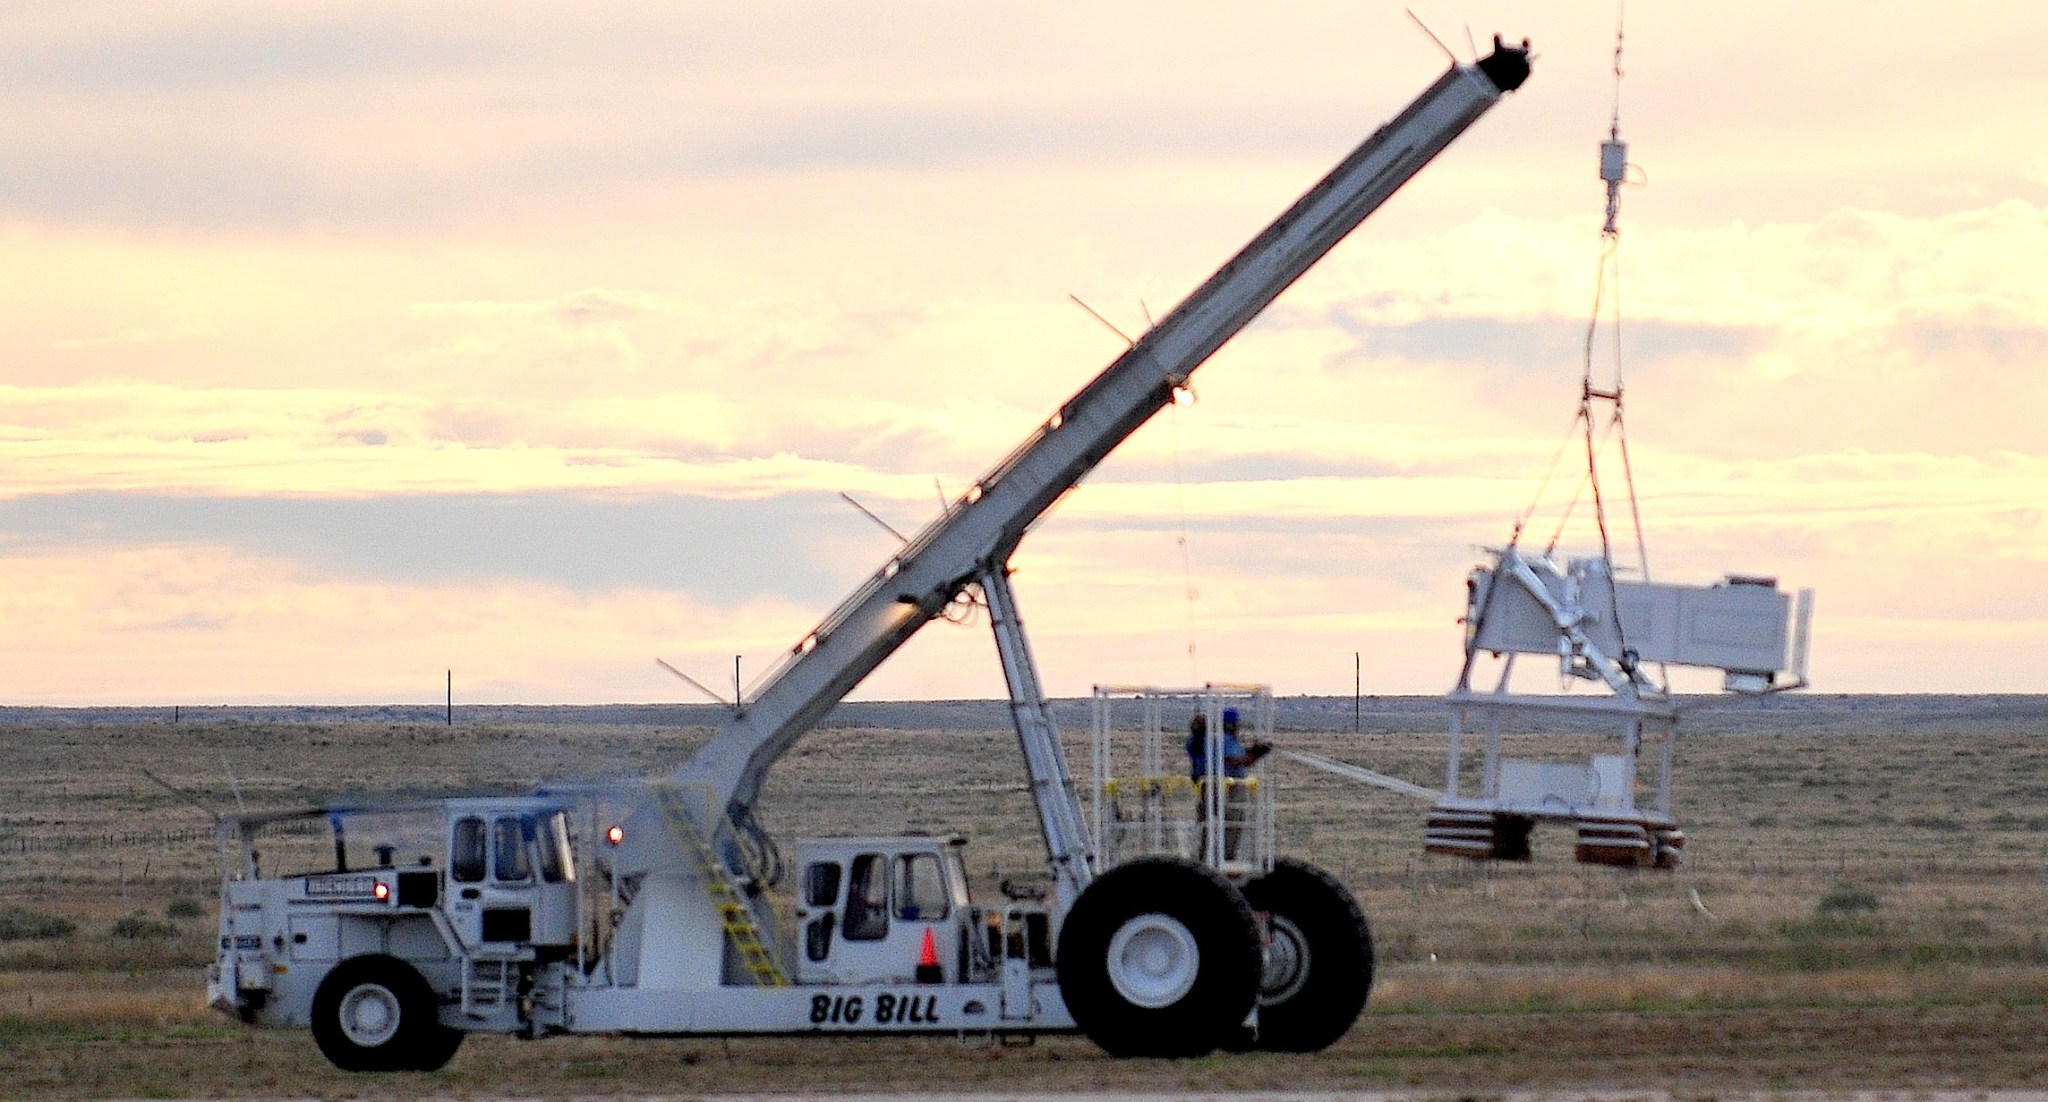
x: 1187, y: 569
x: 1592, y: 437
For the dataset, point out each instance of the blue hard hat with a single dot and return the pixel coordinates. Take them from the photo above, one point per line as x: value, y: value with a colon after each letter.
x: 1230, y: 715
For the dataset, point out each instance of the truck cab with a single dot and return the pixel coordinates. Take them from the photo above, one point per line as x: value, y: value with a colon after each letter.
x: 511, y: 876
x: 386, y: 928
x: 867, y: 907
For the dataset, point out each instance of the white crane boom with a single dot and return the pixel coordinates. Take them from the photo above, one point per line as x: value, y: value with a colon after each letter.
x: 975, y: 535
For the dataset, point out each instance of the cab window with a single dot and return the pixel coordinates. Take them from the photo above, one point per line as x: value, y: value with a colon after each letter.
x: 957, y: 880
x: 557, y: 862
x: 919, y: 888
x: 508, y: 849
x: 818, y: 937
x: 821, y: 883
x: 466, y: 863
x: 867, y: 899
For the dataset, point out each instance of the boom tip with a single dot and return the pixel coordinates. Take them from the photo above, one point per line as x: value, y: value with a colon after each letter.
x: 1507, y: 66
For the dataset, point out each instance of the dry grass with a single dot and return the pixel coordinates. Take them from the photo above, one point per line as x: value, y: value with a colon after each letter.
x: 1541, y: 974
x: 137, y: 999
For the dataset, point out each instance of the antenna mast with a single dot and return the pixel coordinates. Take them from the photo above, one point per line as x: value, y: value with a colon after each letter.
x: 1614, y: 151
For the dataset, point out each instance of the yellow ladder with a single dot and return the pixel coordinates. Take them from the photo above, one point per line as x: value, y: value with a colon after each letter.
x: 740, y: 928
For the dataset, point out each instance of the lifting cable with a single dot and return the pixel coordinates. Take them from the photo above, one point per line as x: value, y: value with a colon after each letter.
x: 1180, y: 504
x: 1584, y: 428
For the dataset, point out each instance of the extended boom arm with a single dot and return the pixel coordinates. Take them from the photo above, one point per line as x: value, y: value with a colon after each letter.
x: 977, y: 533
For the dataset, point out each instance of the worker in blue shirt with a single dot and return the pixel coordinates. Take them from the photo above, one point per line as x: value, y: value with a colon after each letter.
x: 1237, y: 760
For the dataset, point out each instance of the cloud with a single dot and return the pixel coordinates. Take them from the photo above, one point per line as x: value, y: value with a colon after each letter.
x: 232, y: 117
x: 1851, y: 268
x: 238, y: 45
x: 550, y: 315
x: 201, y: 623
x: 804, y: 548
x: 312, y: 444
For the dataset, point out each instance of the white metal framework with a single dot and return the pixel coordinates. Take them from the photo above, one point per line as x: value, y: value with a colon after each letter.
x: 1607, y: 632
x: 1148, y: 800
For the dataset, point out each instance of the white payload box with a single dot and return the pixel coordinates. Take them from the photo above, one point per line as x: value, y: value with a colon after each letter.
x: 1741, y: 625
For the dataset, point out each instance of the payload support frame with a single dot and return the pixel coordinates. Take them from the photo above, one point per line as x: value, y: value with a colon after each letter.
x: 1610, y: 631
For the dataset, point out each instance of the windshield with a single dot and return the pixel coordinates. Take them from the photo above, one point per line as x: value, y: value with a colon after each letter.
x: 346, y: 840
x: 557, y: 860
x: 956, y: 873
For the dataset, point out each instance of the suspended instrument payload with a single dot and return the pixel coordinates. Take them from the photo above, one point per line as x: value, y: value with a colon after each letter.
x: 1606, y: 624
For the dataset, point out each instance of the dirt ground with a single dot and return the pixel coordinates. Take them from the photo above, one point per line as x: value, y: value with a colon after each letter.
x: 1859, y: 915
x: 1688, y: 1053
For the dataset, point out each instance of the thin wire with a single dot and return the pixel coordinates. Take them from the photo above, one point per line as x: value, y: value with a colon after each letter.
x: 1610, y: 256
x: 1606, y: 293
x: 1620, y: 23
x: 1619, y: 424
x: 1571, y: 504
x: 1612, y: 234
x: 1599, y: 503
x: 1187, y: 569
x: 1628, y: 469
x: 1557, y: 457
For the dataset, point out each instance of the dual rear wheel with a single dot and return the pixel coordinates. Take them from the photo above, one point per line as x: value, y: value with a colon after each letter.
x: 1164, y: 958
x: 1159, y: 957
x: 1318, y: 958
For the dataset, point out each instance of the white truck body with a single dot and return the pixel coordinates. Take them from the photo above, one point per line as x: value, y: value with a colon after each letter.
x: 495, y: 936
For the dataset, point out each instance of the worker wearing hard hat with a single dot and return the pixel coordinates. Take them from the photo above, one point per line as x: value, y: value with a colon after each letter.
x: 1237, y: 760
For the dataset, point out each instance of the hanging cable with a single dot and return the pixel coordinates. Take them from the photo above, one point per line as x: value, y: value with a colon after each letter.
x: 1180, y: 497
x: 1613, y: 173
x: 1613, y: 170
x: 1628, y: 471
x: 1585, y: 429
x: 1571, y: 504
x: 1542, y: 487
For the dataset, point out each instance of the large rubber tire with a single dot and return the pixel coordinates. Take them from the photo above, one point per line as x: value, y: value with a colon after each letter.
x: 436, y: 1048
x: 1318, y: 969
x: 375, y: 1013
x: 1159, y: 957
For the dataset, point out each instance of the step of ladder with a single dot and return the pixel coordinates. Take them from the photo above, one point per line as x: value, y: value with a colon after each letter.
x: 486, y: 986
x: 741, y: 930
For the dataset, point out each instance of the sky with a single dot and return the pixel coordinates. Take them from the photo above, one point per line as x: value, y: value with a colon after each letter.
x: 347, y: 344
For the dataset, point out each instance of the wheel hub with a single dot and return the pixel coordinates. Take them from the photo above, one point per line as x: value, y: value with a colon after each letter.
x: 1153, y: 961
x: 369, y: 1015
x: 1286, y: 961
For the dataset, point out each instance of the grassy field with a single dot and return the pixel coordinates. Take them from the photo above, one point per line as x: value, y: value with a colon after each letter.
x: 1864, y: 905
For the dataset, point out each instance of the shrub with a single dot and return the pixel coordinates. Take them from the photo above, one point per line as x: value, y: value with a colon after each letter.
x: 184, y: 907
x: 1847, y: 899
x: 22, y: 924
x: 139, y: 925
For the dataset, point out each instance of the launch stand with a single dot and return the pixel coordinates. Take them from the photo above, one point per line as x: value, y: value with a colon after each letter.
x: 1607, y: 631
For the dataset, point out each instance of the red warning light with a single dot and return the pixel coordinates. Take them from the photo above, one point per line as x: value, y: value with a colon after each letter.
x: 615, y: 834
x: 382, y: 891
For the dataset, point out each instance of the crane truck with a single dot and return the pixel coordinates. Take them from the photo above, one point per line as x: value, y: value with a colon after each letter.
x: 653, y: 907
